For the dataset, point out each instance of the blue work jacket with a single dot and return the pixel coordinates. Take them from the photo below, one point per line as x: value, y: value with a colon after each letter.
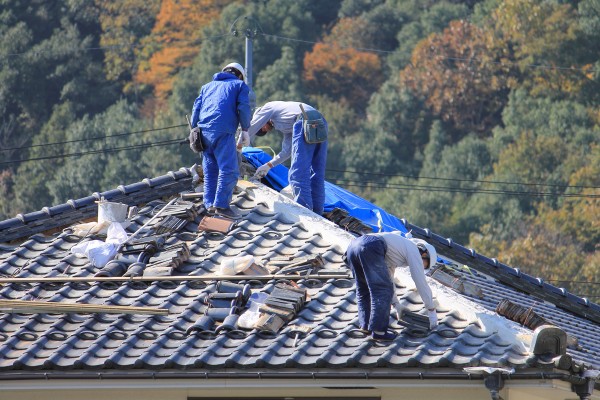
x: 222, y: 105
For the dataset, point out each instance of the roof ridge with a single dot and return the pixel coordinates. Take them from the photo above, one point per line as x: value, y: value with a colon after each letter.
x: 25, y: 225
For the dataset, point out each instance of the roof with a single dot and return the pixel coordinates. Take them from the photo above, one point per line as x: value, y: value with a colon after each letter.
x: 37, y: 246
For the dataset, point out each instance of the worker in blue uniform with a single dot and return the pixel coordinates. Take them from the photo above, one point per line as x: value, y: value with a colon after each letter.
x: 221, y: 106
x: 307, y: 169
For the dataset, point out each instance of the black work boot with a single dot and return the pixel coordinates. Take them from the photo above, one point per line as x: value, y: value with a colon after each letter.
x: 211, y: 211
x: 227, y: 213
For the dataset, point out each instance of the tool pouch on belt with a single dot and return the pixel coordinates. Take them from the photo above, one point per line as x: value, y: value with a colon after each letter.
x: 315, y: 130
x: 196, y: 140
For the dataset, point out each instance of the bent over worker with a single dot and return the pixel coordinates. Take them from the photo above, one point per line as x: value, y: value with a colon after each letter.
x: 307, y: 169
x: 373, y: 259
x: 220, y: 107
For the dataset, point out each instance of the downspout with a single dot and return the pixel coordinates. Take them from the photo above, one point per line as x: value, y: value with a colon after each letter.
x: 494, y: 383
x: 585, y: 389
x: 492, y: 378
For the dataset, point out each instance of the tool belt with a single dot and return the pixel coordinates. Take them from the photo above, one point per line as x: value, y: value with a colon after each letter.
x: 313, y: 125
x: 195, y: 140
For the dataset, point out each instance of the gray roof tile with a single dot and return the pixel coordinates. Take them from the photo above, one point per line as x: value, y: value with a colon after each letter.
x: 99, y: 342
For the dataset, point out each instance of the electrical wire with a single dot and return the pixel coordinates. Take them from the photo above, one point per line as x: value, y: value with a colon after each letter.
x: 329, y: 170
x: 93, y: 138
x: 341, y: 182
x: 462, y: 59
x: 100, y: 151
x: 380, y: 185
x: 567, y: 281
x: 96, y: 48
x: 366, y: 49
x: 465, y: 180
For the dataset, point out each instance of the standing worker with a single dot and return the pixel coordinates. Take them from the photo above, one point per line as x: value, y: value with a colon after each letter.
x: 296, y: 121
x: 373, y: 259
x: 220, y: 107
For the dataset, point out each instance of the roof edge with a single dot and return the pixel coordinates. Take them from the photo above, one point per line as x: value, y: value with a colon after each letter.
x: 509, y: 276
x: 357, y: 376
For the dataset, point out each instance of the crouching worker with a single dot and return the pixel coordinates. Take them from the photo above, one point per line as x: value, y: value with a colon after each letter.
x: 373, y: 259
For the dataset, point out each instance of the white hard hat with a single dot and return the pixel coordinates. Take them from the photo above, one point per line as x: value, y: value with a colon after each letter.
x: 237, y: 67
x: 424, y: 246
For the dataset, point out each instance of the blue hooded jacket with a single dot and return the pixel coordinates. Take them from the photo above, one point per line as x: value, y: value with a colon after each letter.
x: 221, y: 105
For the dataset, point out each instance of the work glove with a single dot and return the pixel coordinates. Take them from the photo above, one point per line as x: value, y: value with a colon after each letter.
x: 244, y: 139
x: 433, y: 322
x: 262, y: 171
x: 399, y: 310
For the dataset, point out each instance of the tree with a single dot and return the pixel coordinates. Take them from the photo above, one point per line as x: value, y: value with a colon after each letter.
x: 546, y: 147
x: 124, y: 26
x: 52, y: 65
x: 454, y: 72
x: 339, y: 70
x: 281, y: 79
x: 447, y: 183
x: 418, y: 22
x: 30, y: 181
x: 175, y: 41
x: 547, y: 45
x: 292, y: 17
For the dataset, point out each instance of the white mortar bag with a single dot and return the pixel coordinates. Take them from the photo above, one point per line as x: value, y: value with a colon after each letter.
x: 236, y: 265
x: 112, y: 212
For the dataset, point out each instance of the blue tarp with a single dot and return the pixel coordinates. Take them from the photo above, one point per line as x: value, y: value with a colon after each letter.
x: 335, y: 196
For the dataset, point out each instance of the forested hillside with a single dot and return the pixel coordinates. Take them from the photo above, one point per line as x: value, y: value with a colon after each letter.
x: 477, y: 119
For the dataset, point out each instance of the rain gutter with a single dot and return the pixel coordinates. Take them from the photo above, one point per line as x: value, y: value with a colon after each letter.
x: 356, y: 376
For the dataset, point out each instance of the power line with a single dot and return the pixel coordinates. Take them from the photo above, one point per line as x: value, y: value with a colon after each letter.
x: 367, y: 49
x: 384, y: 185
x: 469, y: 60
x: 93, y: 138
x: 344, y: 182
x: 567, y: 281
x: 380, y: 185
x: 96, y: 48
x: 99, y: 151
x: 465, y: 180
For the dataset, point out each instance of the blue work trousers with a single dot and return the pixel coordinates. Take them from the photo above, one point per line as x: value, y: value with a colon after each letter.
x: 374, y: 287
x: 220, y: 165
x: 307, y: 170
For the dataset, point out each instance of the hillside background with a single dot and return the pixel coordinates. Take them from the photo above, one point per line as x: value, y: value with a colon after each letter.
x: 477, y: 119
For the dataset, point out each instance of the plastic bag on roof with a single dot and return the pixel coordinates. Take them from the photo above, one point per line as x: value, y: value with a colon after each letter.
x: 236, y: 265
x: 250, y: 317
x: 100, y: 253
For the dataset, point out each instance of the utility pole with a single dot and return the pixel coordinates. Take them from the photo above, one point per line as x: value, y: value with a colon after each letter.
x: 250, y: 29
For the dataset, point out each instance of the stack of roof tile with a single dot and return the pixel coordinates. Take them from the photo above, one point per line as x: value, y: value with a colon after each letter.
x: 281, y: 306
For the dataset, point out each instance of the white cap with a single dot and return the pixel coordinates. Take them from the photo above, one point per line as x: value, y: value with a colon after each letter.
x: 423, y: 245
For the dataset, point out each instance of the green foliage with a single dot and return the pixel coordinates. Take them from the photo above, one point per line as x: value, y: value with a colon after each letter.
x: 443, y: 191
x: 31, y: 178
x: 124, y: 25
x: 396, y: 112
x: 420, y: 22
x: 457, y: 115
x: 280, y: 80
x: 353, y: 8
